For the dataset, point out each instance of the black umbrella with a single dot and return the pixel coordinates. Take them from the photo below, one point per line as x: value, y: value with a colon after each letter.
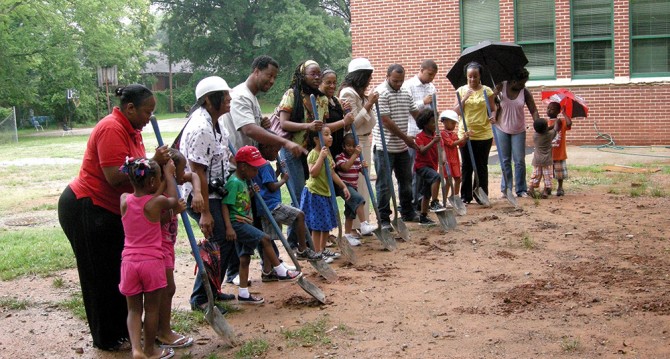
x: 499, y: 59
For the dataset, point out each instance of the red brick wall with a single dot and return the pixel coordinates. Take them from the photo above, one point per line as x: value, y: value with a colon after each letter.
x: 406, y: 32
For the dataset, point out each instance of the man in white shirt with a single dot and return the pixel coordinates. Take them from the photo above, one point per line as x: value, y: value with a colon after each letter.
x: 245, y: 122
x: 422, y: 89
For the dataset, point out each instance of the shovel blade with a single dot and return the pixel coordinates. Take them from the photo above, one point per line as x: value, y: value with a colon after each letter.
x: 325, y: 270
x: 386, y: 238
x: 483, y: 198
x: 458, y: 205
x: 401, y: 227
x: 312, y: 289
x: 219, y: 324
x: 511, y: 198
x: 347, y: 252
x: 451, y: 218
x: 442, y: 218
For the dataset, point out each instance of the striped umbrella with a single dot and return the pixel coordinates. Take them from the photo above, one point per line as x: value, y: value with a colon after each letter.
x: 573, y: 105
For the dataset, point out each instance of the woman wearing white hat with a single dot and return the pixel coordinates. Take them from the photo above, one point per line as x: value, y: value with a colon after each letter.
x: 359, y: 74
x: 205, y: 146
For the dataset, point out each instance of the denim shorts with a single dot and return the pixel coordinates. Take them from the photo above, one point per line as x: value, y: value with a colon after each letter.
x: 428, y: 177
x: 354, y: 201
x: 248, y: 238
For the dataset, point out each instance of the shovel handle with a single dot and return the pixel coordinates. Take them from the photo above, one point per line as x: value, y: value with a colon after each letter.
x: 465, y: 128
x: 366, y: 174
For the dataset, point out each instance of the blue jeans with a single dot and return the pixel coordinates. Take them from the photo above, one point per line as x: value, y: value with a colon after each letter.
x: 512, y: 148
x: 400, y: 166
x: 296, y: 180
x: 230, y: 263
x: 416, y: 181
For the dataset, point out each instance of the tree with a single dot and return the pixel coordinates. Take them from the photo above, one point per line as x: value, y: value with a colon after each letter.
x: 50, y: 46
x: 226, y: 36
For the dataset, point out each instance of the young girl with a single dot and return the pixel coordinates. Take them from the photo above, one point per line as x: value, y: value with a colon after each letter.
x: 451, y: 144
x: 142, y: 266
x: 315, y: 199
x: 166, y: 337
x: 348, y: 166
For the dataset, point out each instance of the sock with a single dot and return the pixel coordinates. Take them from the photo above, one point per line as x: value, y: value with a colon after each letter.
x: 243, y: 292
x: 281, y: 270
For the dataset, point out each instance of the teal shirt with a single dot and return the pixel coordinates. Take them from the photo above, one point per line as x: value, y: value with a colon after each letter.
x: 238, y: 199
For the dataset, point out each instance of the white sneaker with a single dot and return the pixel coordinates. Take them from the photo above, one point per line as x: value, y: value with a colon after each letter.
x: 236, y: 280
x: 289, y: 267
x: 328, y: 260
x: 353, y: 241
x: 367, y: 228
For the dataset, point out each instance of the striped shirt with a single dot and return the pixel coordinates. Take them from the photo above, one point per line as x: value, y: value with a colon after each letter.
x: 397, y: 105
x: 349, y: 177
x: 419, y: 91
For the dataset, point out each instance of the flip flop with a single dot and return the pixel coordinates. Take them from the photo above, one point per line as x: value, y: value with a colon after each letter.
x: 181, y: 342
x: 166, y: 353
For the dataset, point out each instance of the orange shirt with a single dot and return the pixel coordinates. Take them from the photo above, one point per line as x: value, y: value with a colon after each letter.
x: 112, y: 139
x: 559, y: 152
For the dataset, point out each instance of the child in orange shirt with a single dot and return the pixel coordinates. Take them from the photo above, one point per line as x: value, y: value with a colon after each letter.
x: 558, y: 148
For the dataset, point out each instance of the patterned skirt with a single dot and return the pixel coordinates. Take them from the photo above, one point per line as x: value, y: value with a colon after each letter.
x: 318, y: 210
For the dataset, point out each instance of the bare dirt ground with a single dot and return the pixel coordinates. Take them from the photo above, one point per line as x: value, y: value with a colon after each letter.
x: 580, y: 276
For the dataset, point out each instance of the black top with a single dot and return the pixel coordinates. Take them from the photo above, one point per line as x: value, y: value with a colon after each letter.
x: 335, y: 113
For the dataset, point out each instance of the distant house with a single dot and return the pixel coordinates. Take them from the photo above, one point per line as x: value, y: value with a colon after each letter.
x: 158, y: 68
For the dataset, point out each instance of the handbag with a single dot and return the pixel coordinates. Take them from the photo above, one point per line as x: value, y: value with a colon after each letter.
x: 275, y: 126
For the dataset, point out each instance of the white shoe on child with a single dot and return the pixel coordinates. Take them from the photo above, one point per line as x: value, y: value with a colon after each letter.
x: 288, y: 267
x: 353, y: 241
x: 367, y: 228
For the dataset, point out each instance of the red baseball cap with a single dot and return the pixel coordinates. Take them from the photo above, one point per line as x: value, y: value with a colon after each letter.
x: 250, y: 155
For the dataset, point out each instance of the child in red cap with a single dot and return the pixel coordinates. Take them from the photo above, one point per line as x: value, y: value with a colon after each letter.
x: 239, y: 224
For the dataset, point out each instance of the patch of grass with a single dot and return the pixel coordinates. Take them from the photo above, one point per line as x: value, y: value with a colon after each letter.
x: 14, y: 303
x: 252, y: 349
x: 527, y: 242
x: 343, y: 328
x: 45, y: 207
x: 166, y: 116
x: 75, y: 305
x: 657, y: 192
x: 570, y: 344
x: 58, y: 283
x: 311, y: 334
x: 638, y: 191
x: 34, y: 251
x: 187, y: 321
x: 613, y: 190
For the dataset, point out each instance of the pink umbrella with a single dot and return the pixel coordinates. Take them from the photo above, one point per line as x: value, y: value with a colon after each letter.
x: 573, y: 105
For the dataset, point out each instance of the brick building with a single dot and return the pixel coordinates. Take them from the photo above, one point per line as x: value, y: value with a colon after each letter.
x: 615, y: 54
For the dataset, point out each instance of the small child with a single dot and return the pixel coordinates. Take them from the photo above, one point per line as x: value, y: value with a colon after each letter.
x: 143, y: 277
x: 559, y: 150
x: 452, y: 143
x: 348, y: 165
x: 425, y: 165
x: 542, y: 162
x: 315, y: 200
x: 239, y: 224
x: 169, y: 224
x: 282, y: 214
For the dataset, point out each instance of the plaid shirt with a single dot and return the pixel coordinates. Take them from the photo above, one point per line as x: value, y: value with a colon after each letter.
x: 397, y: 105
x: 419, y: 90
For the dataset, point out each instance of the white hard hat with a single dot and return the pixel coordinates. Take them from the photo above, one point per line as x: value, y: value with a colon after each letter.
x: 450, y: 114
x: 210, y: 84
x: 360, y: 63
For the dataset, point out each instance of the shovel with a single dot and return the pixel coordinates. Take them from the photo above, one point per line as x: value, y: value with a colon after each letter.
x: 446, y: 216
x: 321, y: 266
x: 308, y: 286
x: 478, y: 191
x: 347, y: 252
x: 455, y: 201
x: 398, y: 223
x: 382, y: 234
x: 212, y: 314
x: 508, y: 183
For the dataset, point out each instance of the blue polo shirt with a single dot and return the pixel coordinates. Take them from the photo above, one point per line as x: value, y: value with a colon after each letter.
x: 266, y: 174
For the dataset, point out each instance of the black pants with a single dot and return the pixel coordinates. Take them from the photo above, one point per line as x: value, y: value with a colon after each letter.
x: 96, y: 236
x: 480, y: 149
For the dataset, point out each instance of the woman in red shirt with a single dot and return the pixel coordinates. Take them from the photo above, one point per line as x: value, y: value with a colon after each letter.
x: 89, y: 212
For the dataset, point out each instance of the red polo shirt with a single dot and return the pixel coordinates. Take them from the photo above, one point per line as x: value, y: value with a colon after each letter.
x: 112, y: 139
x: 428, y: 159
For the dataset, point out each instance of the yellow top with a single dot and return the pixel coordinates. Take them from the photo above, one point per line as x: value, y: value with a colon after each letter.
x: 476, y: 116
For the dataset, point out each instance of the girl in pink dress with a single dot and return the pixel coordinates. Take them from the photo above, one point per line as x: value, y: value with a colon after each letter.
x: 142, y: 267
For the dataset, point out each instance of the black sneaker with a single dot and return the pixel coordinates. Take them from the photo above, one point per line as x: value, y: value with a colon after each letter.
x: 412, y: 217
x: 290, y: 276
x: 308, y: 254
x: 251, y: 300
x: 435, y: 206
x: 387, y: 225
x: 425, y: 221
x: 224, y: 296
